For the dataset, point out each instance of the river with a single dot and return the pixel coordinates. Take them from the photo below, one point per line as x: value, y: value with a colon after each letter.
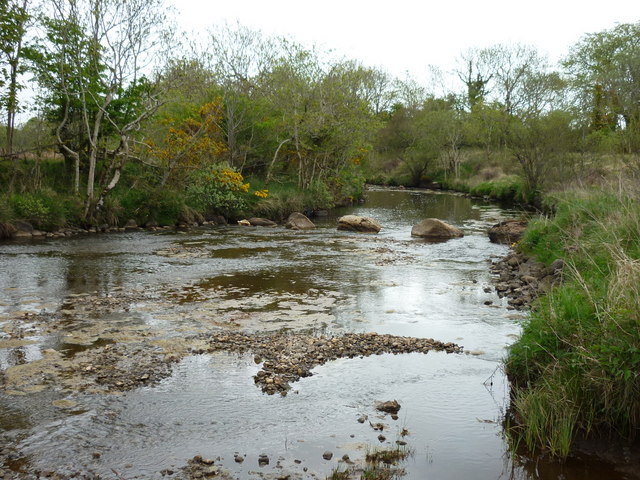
x: 63, y: 299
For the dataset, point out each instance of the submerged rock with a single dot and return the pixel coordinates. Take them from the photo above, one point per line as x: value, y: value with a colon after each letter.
x: 356, y: 223
x: 435, y: 229
x: 299, y: 221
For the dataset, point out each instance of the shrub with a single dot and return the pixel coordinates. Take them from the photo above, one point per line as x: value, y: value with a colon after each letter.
x: 218, y: 190
x: 45, y: 210
x: 144, y: 205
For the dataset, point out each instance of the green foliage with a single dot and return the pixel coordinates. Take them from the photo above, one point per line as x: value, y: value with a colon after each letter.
x: 161, y: 205
x: 348, y: 186
x: 45, y: 210
x: 577, y: 362
x: 506, y: 189
x: 218, y: 190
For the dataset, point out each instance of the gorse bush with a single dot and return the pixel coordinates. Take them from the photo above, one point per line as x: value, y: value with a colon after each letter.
x: 219, y: 190
x: 577, y: 365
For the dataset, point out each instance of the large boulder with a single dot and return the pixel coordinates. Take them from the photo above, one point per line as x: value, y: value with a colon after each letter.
x: 261, y: 222
x: 356, y: 223
x: 299, y: 221
x: 507, y: 232
x: 436, y: 230
x: 23, y: 229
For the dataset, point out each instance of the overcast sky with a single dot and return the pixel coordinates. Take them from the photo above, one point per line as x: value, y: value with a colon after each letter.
x: 407, y: 35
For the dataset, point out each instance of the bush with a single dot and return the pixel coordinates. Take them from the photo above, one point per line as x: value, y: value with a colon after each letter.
x: 218, y: 190
x: 45, y: 210
x: 144, y: 205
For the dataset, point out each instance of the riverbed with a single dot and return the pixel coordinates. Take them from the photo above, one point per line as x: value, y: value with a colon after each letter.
x: 106, y: 370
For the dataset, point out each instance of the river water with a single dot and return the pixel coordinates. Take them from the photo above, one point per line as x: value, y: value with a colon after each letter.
x: 269, y: 279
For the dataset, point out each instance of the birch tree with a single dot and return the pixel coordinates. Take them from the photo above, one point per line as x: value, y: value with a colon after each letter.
x: 94, y: 68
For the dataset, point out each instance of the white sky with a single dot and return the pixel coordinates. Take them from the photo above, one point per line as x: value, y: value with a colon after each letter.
x: 408, y: 35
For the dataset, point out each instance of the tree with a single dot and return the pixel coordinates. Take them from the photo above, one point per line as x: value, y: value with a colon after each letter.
x: 14, y: 21
x: 475, y: 72
x: 513, y: 65
x: 538, y: 142
x: 238, y: 56
x: 191, y: 143
x: 415, y: 137
x: 605, y: 73
x: 92, y: 67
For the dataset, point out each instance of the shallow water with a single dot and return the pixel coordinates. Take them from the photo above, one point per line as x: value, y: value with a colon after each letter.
x: 258, y: 279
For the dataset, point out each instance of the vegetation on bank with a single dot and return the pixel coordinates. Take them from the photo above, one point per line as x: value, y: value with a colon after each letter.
x: 576, y: 367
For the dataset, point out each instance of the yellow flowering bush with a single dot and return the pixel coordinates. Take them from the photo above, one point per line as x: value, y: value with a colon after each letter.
x: 219, y: 190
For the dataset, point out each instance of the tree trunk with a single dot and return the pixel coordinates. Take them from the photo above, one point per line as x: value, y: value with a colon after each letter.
x: 273, y: 161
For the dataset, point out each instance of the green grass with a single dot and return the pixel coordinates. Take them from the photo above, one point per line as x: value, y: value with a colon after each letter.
x: 576, y: 366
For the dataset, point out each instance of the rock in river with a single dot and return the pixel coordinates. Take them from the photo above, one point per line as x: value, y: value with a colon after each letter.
x: 508, y: 232
x: 298, y: 221
x: 435, y: 229
x: 356, y: 223
x: 391, y: 406
x: 261, y: 222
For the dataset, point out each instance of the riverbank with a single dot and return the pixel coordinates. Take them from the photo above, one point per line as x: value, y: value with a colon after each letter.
x: 575, y: 369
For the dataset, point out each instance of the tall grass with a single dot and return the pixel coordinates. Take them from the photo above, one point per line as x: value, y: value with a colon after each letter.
x: 576, y: 367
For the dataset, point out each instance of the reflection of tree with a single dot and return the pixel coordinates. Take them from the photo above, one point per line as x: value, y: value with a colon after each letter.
x: 92, y: 272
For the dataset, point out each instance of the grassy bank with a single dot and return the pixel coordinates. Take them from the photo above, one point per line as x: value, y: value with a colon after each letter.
x: 576, y: 368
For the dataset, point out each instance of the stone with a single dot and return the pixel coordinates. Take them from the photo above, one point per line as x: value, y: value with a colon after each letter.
x: 261, y: 222
x: 507, y: 232
x: 131, y: 224
x: 357, y: 223
x: 23, y: 227
x: 263, y: 459
x: 435, y: 229
x: 218, y: 220
x: 299, y: 221
x: 391, y: 406
x: 327, y: 455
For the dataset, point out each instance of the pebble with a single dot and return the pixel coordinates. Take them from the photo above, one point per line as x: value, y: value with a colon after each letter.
x: 327, y: 455
x: 287, y: 358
